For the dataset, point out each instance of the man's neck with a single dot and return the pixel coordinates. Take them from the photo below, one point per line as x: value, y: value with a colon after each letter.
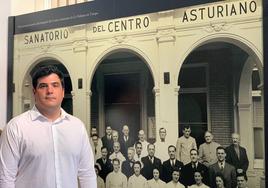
x: 51, y: 114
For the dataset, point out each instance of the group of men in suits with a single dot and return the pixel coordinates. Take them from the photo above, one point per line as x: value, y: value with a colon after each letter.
x: 209, y: 159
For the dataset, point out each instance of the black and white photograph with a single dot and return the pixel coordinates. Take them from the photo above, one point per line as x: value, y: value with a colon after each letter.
x: 171, y: 94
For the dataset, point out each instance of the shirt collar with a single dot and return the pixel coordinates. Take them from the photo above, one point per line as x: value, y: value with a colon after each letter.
x: 35, y: 114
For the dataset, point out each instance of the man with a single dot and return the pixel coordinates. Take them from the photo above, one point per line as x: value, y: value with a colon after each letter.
x: 184, y: 144
x: 144, y: 143
x: 207, y: 150
x: 221, y: 166
x: 187, y: 177
x: 161, y: 146
x: 171, y: 164
x: 116, y: 179
x: 98, y: 142
x: 137, y: 180
x: 45, y: 146
x: 126, y: 141
x: 96, y: 146
x: 127, y: 165
x: 241, y: 180
x: 138, y: 149
x: 174, y: 183
x: 150, y: 162
x: 107, y: 139
x: 105, y: 164
x: 117, y: 154
x: 237, y: 155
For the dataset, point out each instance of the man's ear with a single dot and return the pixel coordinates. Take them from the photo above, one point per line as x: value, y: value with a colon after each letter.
x: 33, y: 91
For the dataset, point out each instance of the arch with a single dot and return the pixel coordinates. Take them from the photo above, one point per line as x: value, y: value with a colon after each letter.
x: 26, y: 92
x: 236, y: 40
x: 122, y: 48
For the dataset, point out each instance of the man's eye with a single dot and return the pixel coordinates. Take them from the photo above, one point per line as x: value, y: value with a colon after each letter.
x: 42, y: 86
x: 56, y: 85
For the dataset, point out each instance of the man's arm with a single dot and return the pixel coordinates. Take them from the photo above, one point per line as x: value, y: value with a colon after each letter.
x: 9, y: 157
x: 86, y: 172
x: 178, y: 148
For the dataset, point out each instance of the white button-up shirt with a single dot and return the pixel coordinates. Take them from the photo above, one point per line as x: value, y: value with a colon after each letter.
x: 37, y: 153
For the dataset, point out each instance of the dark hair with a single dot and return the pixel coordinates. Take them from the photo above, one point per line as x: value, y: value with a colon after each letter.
x: 220, y: 147
x: 137, y: 162
x: 176, y: 169
x: 104, y: 147
x: 193, y: 149
x: 136, y: 144
x: 218, y: 174
x: 45, y: 71
x: 171, y: 146
x: 242, y: 175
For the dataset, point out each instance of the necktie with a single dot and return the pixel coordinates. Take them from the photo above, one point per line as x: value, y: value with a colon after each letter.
x: 172, y: 162
x: 221, y: 166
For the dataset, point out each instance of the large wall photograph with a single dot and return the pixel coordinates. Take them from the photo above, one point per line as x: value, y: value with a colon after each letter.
x: 159, y: 88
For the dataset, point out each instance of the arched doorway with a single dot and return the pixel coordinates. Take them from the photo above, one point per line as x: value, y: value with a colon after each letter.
x: 28, y: 100
x: 210, y: 90
x: 122, y: 94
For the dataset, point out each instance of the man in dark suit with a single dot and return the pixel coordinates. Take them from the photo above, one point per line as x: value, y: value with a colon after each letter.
x: 150, y: 162
x: 126, y: 141
x: 221, y: 166
x: 105, y: 163
x: 127, y: 165
x: 237, y: 155
x: 170, y: 164
x: 187, y: 174
x: 107, y: 140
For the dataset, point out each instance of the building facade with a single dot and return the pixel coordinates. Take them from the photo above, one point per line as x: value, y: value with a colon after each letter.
x: 199, y: 65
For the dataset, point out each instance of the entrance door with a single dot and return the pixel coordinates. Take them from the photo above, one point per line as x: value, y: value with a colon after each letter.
x: 122, y: 101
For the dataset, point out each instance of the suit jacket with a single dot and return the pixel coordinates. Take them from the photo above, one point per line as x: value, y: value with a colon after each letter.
x: 105, y: 168
x: 148, y: 166
x: 127, y: 169
x: 108, y: 143
x: 232, y: 158
x: 228, y: 173
x: 168, y: 169
x: 187, y: 174
x: 125, y: 145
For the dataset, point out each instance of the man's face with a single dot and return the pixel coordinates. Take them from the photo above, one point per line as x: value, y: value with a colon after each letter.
x: 156, y: 174
x: 94, y: 131
x: 116, y: 147
x: 115, y: 136
x: 104, y: 153
x: 194, y: 156
x: 197, y: 177
x: 175, y: 176
x: 241, y: 182
x: 137, y: 169
x: 162, y: 134
x: 138, y: 149
x: 235, y: 138
x: 95, y: 140
x: 125, y: 130
x: 208, y: 137
x: 130, y: 154
x: 109, y: 130
x: 48, y: 93
x: 186, y: 132
x: 116, y: 166
x: 221, y: 155
x: 141, y: 136
x: 171, y: 152
x: 151, y: 150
